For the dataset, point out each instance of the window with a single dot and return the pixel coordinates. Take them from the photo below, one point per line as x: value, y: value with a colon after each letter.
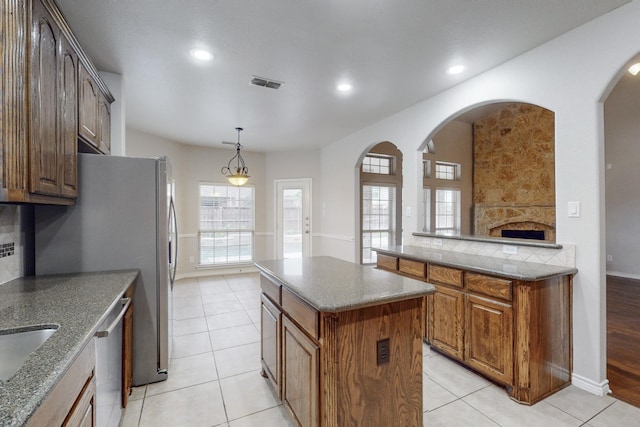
x: 226, y: 224
x: 447, y: 210
x: 378, y: 219
x: 448, y: 171
x: 378, y: 164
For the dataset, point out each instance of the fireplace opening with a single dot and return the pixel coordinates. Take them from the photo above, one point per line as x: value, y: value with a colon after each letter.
x: 524, y: 234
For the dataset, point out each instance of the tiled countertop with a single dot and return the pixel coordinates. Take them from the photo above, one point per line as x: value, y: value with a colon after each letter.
x: 77, y: 304
x: 332, y: 285
x: 518, y: 270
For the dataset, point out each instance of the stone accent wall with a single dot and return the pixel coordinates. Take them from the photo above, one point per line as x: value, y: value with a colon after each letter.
x: 514, y: 171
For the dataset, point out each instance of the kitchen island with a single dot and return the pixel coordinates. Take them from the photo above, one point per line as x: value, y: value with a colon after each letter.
x: 342, y: 343
x: 73, y: 304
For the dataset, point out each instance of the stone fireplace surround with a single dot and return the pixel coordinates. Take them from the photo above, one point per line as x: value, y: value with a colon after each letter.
x: 491, y: 220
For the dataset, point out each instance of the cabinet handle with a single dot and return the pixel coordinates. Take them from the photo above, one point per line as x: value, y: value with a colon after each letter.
x: 105, y: 333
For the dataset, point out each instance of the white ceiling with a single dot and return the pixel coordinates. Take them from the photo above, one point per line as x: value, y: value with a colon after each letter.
x: 394, y: 52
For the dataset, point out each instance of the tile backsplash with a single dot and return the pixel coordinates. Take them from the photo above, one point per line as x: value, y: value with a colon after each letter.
x: 11, y: 243
x: 564, y: 257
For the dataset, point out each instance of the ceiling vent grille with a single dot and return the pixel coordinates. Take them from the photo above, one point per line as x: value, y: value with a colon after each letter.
x: 264, y: 82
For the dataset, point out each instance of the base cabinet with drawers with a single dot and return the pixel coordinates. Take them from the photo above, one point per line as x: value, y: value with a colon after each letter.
x: 323, y: 365
x: 515, y: 332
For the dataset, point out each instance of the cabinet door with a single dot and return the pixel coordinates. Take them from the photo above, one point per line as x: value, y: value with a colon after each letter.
x: 127, y: 354
x: 68, y: 138
x: 83, y: 413
x: 489, y: 338
x: 104, y: 119
x: 270, y: 343
x: 44, y: 149
x: 446, y: 312
x: 300, y: 371
x: 88, y: 107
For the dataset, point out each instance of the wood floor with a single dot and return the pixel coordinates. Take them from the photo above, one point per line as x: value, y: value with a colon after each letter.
x: 623, y: 338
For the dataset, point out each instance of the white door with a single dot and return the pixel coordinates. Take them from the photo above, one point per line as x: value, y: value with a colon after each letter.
x: 293, y: 218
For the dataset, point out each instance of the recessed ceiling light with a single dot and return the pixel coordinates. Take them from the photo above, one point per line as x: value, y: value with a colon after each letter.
x: 634, y: 69
x: 456, y: 69
x: 344, y: 87
x: 201, y: 54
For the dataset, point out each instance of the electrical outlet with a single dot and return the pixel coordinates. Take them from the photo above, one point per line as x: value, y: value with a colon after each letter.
x: 609, y: 257
x: 436, y: 242
x: 192, y: 259
x: 383, y: 351
x: 510, y: 249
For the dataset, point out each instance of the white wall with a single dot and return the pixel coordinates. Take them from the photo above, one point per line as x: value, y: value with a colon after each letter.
x: 570, y: 76
x: 622, y: 151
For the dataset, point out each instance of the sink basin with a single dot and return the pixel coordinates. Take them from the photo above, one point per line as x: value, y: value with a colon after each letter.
x: 16, y: 346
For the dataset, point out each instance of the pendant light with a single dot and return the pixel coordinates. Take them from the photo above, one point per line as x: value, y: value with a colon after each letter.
x: 238, y: 174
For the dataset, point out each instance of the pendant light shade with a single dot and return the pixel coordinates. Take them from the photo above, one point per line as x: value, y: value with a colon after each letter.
x: 237, y: 174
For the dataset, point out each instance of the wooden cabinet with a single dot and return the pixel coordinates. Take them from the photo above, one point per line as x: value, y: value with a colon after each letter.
x: 94, y: 114
x: 515, y: 332
x: 446, y: 330
x: 300, y: 374
x: 127, y: 350
x: 41, y: 61
x: 328, y: 369
x: 72, y: 401
x: 271, y: 320
x: 488, y: 344
x: 83, y: 413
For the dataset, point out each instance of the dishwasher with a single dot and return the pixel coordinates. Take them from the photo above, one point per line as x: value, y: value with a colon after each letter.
x: 109, y: 367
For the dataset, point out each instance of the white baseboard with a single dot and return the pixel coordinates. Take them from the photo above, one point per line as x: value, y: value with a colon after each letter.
x: 625, y: 275
x: 218, y: 272
x: 599, y: 389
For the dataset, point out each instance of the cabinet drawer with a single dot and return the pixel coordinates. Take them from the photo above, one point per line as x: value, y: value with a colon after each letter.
x: 412, y: 268
x: 489, y: 286
x: 298, y: 310
x: 271, y: 289
x: 445, y: 275
x: 387, y: 262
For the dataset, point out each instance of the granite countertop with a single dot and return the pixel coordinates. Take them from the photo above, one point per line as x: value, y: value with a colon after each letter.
x: 333, y: 285
x: 77, y: 304
x: 510, y: 269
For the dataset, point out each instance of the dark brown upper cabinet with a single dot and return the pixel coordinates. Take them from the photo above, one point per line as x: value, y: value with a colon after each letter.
x: 39, y: 130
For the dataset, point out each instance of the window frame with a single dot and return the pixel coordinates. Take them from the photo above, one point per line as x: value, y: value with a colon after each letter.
x: 213, y: 230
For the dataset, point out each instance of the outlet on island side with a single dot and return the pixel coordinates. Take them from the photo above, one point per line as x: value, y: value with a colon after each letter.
x: 382, y: 347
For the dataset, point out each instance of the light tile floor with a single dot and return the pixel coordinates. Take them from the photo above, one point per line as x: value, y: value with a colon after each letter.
x: 214, y: 376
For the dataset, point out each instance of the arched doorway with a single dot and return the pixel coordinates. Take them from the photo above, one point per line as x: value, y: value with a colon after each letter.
x: 622, y: 210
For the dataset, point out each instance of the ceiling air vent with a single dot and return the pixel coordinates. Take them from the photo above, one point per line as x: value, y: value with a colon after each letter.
x: 270, y: 83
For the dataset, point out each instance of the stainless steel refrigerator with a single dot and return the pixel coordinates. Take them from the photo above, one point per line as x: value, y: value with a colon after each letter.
x: 124, y: 218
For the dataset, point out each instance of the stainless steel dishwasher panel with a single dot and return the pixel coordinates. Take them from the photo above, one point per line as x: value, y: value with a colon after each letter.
x: 109, y: 367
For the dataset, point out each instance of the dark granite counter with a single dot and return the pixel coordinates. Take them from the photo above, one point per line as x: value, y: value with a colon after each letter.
x: 333, y: 285
x: 518, y: 270
x: 74, y: 303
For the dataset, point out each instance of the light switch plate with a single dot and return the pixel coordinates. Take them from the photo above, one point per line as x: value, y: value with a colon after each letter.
x: 573, y: 209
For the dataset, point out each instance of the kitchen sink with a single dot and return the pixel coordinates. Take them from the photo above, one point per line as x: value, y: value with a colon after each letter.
x: 16, y: 346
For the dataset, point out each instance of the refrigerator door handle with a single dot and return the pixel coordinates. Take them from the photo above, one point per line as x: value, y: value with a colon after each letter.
x: 173, y: 254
